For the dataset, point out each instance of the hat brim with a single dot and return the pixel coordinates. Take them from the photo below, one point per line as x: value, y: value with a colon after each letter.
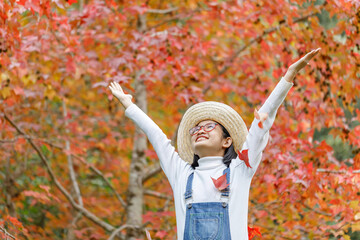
x: 218, y: 112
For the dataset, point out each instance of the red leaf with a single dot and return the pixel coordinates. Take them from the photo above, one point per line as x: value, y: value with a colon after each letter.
x: 70, y: 65
x: 261, y: 117
x: 277, y: 73
x: 3, y: 16
x: 252, y: 232
x: 72, y: 1
x: 150, y: 153
x: 22, y: 2
x: 221, y: 182
x: 14, y: 221
x: 161, y: 234
x: 18, y: 90
x: 243, y: 155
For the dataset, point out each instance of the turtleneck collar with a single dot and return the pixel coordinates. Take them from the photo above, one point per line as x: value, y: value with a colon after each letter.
x: 210, y: 162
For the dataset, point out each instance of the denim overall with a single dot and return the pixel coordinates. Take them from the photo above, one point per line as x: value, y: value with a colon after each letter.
x: 207, y: 220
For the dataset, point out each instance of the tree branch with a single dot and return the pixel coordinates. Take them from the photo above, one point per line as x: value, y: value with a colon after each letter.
x: 162, y: 11
x: 9, y: 140
x: 152, y: 172
x: 157, y: 194
x: 99, y: 173
x: 118, y: 230
x: 6, y: 233
x: 317, y: 211
x: 177, y: 17
x: 70, y: 162
x: 70, y: 234
x: 79, y: 208
x: 322, y: 170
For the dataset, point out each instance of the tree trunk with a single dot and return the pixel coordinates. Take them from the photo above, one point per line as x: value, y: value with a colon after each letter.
x: 137, y: 166
x: 138, y: 161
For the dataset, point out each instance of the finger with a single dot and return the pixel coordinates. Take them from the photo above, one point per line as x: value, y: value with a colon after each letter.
x: 113, y: 85
x: 309, y: 56
x: 118, y: 87
x: 314, y: 52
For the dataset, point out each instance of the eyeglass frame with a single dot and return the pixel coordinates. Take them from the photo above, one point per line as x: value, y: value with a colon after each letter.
x: 203, y: 126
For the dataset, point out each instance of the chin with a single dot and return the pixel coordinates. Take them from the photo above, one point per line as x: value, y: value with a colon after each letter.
x: 200, y: 147
x: 199, y: 144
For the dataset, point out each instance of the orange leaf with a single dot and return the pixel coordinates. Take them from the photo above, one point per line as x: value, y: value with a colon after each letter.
x: 161, y: 234
x: 243, y: 155
x: 261, y: 117
x: 252, y: 232
x: 14, y: 221
x: 72, y: 2
x: 221, y: 182
x: 18, y: 90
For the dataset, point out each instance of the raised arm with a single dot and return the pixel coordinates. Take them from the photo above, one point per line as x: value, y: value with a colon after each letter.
x: 258, y: 136
x: 170, y: 161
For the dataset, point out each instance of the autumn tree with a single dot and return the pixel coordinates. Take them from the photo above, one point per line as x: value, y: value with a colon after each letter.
x: 74, y: 167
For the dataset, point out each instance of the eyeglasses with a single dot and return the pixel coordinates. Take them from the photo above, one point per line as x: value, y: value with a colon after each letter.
x: 207, y: 128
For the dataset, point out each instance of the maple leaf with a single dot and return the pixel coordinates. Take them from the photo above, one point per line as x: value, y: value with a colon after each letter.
x: 261, y: 117
x: 252, y: 232
x: 18, y: 90
x: 150, y: 153
x: 72, y: 1
x: 14, y: 221
x: 161, y: 234
x: 21, y: 2
x: 243, y: 155
x: 221, y: 182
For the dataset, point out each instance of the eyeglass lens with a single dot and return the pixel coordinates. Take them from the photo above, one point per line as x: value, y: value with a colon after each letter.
x: 207, y: 127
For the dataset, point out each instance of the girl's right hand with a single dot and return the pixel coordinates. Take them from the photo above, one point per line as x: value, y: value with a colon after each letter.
x: 117, y: 91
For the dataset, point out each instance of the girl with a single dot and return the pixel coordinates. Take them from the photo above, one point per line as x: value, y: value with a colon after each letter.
x: 210, y: 181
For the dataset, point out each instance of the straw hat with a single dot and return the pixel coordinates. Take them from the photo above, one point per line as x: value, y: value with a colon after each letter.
x: 218, y: 112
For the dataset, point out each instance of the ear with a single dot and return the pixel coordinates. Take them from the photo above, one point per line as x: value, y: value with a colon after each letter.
x: 227, y: 142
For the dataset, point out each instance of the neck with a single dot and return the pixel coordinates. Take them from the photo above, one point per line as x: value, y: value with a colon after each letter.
x: 210, y: 162
x: 209, y: 152
x: 207, y: 161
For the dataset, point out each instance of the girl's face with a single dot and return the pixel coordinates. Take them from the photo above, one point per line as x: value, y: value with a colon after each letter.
x: 210, y: 143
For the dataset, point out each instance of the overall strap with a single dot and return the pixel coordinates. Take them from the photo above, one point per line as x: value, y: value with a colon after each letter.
x: 225, y: 192
x: 188, y: 191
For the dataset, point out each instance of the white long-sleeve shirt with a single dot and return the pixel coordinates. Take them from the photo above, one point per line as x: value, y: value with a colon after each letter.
x: 177, y: 170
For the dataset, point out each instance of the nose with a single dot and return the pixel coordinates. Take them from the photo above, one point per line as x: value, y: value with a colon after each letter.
x: 201, y: 130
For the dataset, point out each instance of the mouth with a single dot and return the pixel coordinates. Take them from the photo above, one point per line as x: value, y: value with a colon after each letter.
x: 200, y: 138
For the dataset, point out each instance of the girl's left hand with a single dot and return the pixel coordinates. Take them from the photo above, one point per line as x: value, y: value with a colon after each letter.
x: 301, y: 63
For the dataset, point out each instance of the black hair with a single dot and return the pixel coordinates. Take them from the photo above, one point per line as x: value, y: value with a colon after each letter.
x: 229, y: 154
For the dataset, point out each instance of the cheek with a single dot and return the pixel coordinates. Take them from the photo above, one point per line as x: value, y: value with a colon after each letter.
x: 218, y: 136
x: 192, y: 142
